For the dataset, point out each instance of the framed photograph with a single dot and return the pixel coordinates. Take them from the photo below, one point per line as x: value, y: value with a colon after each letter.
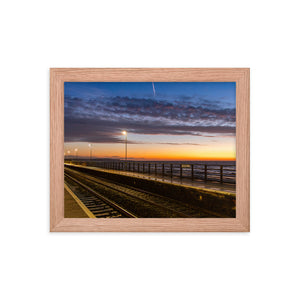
x: 149, y: 149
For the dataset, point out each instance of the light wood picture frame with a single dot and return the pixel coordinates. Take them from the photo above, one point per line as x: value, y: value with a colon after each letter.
x: 241, y: 76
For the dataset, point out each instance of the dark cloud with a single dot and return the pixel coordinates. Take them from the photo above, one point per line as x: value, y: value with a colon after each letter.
x: 179, y: 144
x: 187, y: 111
x: 107, y: 131
x: 101, y: 120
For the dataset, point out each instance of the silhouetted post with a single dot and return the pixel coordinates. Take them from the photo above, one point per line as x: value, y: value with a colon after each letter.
x: 149, y: 168
x: 133, y: 166
x: 163, y: 169
x: 138, y: 167
x: 155, y: 168
x: 192, y: 170
x: 221, y: 174
x: 180, y: 170
x: 171, y: 170
x: 143, y: 168
x: 205, y: 172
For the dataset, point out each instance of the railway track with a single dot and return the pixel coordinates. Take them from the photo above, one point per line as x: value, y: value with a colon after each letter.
x: 142, y: 203
x: 98, y: 205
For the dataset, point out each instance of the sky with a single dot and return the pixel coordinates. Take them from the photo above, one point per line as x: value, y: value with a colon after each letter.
x: 163, y: 120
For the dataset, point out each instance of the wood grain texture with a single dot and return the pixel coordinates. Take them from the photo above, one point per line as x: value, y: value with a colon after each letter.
x: 239, y: 75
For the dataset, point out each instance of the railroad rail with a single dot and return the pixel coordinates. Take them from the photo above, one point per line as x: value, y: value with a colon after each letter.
x: 98, y: 205
x: 141, y: 203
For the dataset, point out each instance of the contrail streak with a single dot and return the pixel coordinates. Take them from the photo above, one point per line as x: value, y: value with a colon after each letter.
x: 153, y: 88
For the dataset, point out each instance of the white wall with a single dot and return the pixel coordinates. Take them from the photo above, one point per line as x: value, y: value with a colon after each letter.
x: 37, y: 35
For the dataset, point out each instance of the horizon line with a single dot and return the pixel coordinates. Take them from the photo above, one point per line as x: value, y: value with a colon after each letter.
x: 149, y: 159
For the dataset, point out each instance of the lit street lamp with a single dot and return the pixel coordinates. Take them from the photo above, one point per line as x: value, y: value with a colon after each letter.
x: 125, y: 133
x: 69, y: 154
x: 90, y: 146
x: 76, y: 153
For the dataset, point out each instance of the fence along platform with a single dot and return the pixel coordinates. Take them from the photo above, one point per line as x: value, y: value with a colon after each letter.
x: 195, y: 171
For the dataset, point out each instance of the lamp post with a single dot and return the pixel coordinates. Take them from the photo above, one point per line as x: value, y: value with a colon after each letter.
x: 76, y: 153
x: 90, y: 146
x: 125, y: 133
x: 69, y: 154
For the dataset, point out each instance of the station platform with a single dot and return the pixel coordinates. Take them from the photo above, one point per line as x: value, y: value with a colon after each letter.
x: 72, y: 208
x: 214, y: 186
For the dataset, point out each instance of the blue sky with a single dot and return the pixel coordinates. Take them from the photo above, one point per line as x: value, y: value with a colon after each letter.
x: 224, y: 92
x: 161, y: 113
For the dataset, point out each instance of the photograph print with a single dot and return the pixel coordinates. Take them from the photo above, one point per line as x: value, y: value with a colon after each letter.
x: 149, y: 149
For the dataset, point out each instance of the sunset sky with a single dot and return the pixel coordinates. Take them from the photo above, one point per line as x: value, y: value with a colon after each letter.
x: 164, y: 120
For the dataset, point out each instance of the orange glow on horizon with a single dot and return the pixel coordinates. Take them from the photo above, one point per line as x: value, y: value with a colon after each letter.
x: 224, y: 152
